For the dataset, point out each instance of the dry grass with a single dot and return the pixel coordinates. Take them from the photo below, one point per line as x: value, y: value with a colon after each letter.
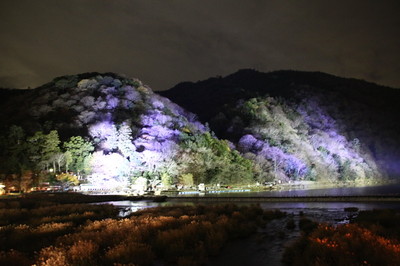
x: 80, y: 234
x: 372, y: 241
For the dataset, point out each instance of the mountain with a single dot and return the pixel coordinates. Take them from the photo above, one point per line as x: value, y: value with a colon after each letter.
x: 116, y: 134
x: 301, y: 125
x: 113, y: 131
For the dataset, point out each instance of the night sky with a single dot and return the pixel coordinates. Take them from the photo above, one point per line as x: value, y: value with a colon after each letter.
x: 165, y: 42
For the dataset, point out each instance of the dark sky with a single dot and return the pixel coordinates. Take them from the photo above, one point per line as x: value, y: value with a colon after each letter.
x: 168, y: 41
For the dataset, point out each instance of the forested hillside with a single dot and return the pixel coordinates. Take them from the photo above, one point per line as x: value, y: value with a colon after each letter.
x: 116, y: 133
x: 302, y: 125
x: 111, y: 132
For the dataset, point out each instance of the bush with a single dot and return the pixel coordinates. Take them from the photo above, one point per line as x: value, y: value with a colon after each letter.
x: 78, y: 234
x: 130, y: 252
x: 343, y: 245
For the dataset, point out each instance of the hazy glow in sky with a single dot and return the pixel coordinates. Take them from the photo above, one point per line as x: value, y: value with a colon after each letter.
x: 166, y: 42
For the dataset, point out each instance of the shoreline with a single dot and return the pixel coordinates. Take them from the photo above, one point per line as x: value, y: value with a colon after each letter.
x: 287, y: 187
x: 290, y: 199
x: 250, y: 195
x: 309, y: 185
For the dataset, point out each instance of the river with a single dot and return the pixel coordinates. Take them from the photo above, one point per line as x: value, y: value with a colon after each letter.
x: 332, y: 212
x: 383, y: 190
x: 275, y: 237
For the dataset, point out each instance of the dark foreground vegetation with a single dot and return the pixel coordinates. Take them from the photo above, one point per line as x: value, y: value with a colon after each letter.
x: 49, y: 233
x: 371, y: 239
x: 49, y: 229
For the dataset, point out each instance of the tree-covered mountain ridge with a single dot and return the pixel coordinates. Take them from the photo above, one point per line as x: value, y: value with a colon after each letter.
x: 302, y: 125
x: 116, y: 133
x: 112, y: 132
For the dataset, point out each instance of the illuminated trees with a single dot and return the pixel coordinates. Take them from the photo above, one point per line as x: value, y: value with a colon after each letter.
x: 124, y: 141
x: 112, y: 102
x: 110, y: 138
x: 87, y: 101
x: 210, y: 160
x: 67, y: 179
x: 80, y: 151
x: 132, y: 133
x: 131, y: 94
x: 26, y: 156
x: 300, y: 140
x: 58, y: 159
x: 51, y: 144
x: 43, y: 148
x: 86, y: 116
x: 110, y: 171
x: 118, y: 120
x: 247, y: 142
x: 186, y: 179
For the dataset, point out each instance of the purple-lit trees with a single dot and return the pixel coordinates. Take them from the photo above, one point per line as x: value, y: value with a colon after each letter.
x: 132, y: 134
x: 87, y: 101
x: 247, y: 142
x: 301, y: 141
x: 124, y: 141
x: 110, y: 171
x: 112, y: 102
x: 135, y: 134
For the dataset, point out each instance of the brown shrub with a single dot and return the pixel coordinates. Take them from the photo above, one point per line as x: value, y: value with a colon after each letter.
x: 179, y: 235
x: 130, y: 252
x: 83, y: 253
x: 343, y: 245
x: 52, y: 256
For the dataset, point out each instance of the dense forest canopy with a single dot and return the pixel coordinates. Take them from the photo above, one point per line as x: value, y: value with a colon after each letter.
x: 111, y: 132
x: 324, y: 112
x: 114, y: 132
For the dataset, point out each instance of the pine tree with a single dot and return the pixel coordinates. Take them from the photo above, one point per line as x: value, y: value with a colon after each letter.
x: 80, y: 150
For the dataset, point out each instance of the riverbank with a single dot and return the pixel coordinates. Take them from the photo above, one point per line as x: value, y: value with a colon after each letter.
x: 382, y: 193
x: 62, y: 198
x: 289, y: 199
x: 33, y: 199
x: 277, y: 188
x: 305, y: 185
x: 42, y: 227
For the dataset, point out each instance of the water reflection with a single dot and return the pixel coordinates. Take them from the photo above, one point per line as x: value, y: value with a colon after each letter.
x: 392, y: 189
x: 331, y: 212
x: 128, y: 207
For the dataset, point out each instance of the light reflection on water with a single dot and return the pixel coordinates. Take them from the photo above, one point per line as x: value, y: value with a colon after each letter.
x: 127, y: 207
x: 392, y: 189
x: 331, y: 212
